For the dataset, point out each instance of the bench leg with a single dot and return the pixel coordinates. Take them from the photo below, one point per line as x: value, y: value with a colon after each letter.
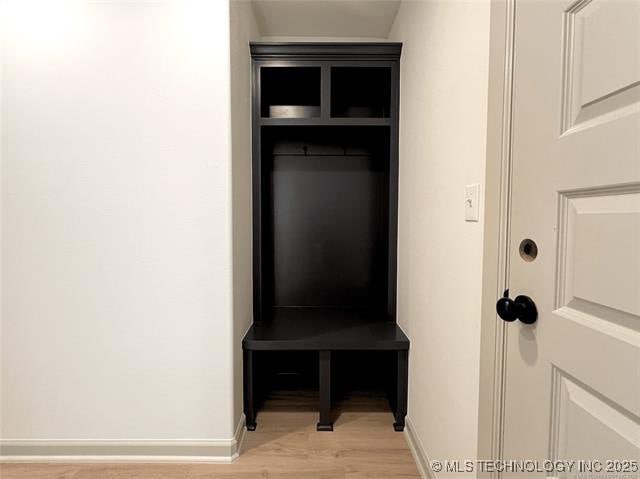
x: 249, y: 380
x: 402, y: 379
x: 325, y: 392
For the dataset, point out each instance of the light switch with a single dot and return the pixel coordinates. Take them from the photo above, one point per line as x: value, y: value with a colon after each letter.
x: 471, y: 206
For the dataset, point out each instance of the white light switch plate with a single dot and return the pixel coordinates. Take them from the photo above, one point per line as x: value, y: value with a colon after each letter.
x: 471, y: 206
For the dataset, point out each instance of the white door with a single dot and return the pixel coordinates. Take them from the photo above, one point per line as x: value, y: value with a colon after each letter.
x: 573, y: 377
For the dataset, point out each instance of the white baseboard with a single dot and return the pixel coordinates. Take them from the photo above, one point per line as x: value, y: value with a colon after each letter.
x: 130, y: 451
x: 127, y: 459
x: 418, y: 452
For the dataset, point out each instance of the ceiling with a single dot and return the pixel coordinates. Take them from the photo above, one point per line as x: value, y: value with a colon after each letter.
x: 325, y: 18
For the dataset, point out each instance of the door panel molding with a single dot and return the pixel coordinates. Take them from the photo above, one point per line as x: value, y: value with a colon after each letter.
x: 576, y: 402
x: 620, y: 205
x: 591, y: 94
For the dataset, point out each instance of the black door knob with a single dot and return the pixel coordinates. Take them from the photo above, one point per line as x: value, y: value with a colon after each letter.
x: 522, y: 308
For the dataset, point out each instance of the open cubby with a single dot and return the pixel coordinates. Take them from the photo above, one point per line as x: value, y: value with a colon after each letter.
x: 295, y: 91
x: 360, y: 92
x: 289, y: 380
x: 325, y: 192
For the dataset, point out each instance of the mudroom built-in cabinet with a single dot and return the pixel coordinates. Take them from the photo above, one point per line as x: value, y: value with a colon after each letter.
x: 325, y: 200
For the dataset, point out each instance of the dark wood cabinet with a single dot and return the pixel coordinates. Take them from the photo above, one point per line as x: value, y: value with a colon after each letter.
x: 325, y: 195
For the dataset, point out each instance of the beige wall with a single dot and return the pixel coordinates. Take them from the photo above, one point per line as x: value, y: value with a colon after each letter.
x: 126, y: 205
x: 243, y: 30
x: 116, y: 220
x: 442, y: 149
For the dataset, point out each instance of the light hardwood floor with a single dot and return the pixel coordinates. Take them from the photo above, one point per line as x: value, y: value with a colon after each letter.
x: 284, y: 446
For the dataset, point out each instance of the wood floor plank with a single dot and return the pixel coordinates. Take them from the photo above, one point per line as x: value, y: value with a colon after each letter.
x: 285, y: 445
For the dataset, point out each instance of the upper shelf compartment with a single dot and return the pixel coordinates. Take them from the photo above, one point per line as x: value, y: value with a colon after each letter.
x: 360, y: 92
x: 290, y: 92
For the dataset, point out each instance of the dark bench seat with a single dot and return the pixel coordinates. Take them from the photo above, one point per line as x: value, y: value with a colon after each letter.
x: 325, y: 330
x: 315, y: 329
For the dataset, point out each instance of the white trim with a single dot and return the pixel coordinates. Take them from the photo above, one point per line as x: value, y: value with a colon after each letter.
x: 124, y: 450
x: 418, y: 452
x: 497, y: 229
x: 506, y: 173
x: 129, y: 459
x: 238, y: 436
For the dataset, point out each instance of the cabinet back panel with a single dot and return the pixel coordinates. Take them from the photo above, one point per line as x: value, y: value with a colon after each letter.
x: 328, y: 216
